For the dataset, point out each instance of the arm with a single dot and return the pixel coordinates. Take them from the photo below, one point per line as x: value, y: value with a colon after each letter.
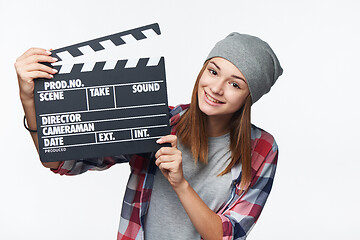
x: 169, y: 161
x: 28, y: 68
x: 76, y: 167
x: 206, y: 222
x: 237, y: 218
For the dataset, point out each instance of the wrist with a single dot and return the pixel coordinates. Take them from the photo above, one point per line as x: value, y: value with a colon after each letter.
x: 27, y: 101
x: 181, y: 187
x: 30, y: 116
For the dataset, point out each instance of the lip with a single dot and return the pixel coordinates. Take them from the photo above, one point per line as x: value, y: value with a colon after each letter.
x: 208, y: 101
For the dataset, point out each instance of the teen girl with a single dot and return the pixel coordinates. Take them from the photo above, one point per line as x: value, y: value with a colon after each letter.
x: 213, y: 181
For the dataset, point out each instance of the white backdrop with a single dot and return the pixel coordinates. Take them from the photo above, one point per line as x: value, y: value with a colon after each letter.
x: 312, y: 111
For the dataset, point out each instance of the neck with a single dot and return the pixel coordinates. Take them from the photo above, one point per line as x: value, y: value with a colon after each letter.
x: 218, y: 125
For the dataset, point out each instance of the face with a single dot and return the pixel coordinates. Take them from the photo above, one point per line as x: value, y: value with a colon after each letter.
x: 222, y: 88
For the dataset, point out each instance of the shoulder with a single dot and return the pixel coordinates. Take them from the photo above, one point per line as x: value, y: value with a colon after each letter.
x: 264, y: 151
x: 262, y: 138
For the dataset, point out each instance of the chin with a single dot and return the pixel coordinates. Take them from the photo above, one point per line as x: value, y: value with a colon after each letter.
x: 208, y: 110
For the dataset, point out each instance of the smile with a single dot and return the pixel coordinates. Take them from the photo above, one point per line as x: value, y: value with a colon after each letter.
x: 212, y: 99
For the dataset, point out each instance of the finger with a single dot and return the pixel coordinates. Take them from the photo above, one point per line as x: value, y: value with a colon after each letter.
x: 164, y: 158
x: 34, y: 51
x: 20, y: 65
x: 39, y: 67
x: 38, y: 58
x: 39, y: 74
x: 172, y: 139
x: 163, y: 151
x: 166, y: 166
x: 30, y: 76
x: 29, y: 72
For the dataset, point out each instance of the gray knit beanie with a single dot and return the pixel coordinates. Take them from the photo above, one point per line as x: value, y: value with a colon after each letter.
x: 254, y: 58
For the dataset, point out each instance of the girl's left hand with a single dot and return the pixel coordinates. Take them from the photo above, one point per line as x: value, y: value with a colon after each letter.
x: 169, y: 161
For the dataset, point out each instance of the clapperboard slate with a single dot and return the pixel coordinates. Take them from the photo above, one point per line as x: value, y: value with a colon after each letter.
x: 106, y: 108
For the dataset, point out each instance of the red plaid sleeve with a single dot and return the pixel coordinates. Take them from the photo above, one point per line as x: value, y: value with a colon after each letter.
x: 241, y: 214
x: 76, y: 167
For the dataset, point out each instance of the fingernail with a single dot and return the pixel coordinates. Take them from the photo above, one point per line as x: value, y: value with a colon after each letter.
x: 51, y: 76
x: 159, y: 141
x: 55, y: 59
x: 54, y: 70
x: 48, y: 52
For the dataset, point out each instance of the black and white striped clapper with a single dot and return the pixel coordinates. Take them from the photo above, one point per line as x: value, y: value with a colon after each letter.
x: 102, y: 108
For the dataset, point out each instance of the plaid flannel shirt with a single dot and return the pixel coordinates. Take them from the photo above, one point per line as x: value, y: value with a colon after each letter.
x: 239, y: 213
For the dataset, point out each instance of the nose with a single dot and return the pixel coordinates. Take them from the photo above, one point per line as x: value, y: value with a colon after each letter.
x: 217, y: 88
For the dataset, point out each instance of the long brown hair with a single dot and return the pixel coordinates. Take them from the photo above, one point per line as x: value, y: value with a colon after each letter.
x: 192, y: 127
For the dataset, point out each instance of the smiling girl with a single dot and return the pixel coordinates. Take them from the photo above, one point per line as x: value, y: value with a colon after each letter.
x: 214, y: 180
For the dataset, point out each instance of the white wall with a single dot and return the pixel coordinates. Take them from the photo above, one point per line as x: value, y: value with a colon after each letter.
x: 312, y: 111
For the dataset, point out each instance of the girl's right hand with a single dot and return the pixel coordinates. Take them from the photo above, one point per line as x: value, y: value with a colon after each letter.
x: 28, y: 67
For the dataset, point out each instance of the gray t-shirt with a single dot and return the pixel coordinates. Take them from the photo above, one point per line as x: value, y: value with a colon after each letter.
x: 166, y: 217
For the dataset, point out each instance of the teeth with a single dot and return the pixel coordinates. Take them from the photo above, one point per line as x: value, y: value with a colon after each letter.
x: 211, y: 99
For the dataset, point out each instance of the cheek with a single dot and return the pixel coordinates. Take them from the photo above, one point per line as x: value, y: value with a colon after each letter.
x: 200, y: 88
x: 202, y: 84
x: 205, y: 80
x: 237, y: 99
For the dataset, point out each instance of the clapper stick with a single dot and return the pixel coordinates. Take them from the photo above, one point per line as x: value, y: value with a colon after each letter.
x: 106, y: 108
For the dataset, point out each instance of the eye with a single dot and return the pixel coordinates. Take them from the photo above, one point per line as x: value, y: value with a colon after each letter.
x: 235, y: 85
x: 212, y: 72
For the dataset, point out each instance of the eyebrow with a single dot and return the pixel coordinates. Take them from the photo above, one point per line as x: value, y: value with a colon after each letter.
x: 234, y: 76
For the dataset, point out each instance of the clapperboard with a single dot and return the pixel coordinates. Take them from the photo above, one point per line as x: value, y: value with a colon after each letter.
x: 102, y: 108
